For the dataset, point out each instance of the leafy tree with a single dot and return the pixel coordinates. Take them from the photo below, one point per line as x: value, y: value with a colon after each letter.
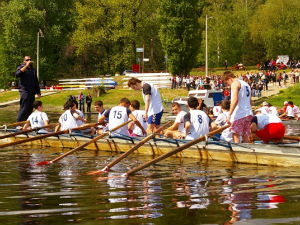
x: 179, y: 33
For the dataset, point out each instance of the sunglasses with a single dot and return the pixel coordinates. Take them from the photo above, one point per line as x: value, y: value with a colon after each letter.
x: 28, y: 60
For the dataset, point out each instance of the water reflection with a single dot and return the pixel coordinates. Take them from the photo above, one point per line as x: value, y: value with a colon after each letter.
x: 191, y: 192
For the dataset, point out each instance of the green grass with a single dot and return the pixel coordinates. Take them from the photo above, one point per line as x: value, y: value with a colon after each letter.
x: 9, y: 96
x: 290, y: 94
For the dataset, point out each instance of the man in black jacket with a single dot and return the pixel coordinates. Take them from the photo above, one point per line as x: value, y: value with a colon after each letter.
x: 28, y: 87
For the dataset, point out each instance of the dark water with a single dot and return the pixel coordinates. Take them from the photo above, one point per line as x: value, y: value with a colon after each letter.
x: 171, y: 192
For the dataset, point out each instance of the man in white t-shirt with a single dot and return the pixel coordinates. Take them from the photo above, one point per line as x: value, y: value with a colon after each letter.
x: 153, y: 103
x: 177, y: 130
x: 133, y: 129
x: 240, y: 113
x: 196, y: 122
x: 118, y: 115
x: 38, y: 118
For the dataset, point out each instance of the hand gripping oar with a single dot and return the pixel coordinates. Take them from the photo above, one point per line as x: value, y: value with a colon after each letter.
x: 125, y: 154
x: 83, y: 145
x: 46, y: 135
x: 27, y: 131
x: 294, y: 138
x: 168, y: 154
x: 14, y: 124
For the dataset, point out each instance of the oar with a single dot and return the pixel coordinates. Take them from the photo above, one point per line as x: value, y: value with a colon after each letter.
x: 125, y: 154
x: 46, y: 135
x: 83, y: 145
x: 27, y: 131
x: 168, y: 154
x: 14, y: 124
x: 294, y: 138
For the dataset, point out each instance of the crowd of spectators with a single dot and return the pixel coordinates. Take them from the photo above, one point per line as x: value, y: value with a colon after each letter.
x: 274, y: 65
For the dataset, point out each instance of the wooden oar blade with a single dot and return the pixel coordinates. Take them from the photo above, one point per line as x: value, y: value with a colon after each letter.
x: 108, y: 178
x: 96, y: 172
x: 43, y: 163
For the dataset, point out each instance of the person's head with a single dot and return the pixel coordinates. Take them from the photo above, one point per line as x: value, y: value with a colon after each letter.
x: 228, y: 77
x: 26, y: 59
x: 291, y: 103
x: 176, y: 108
x: 135, y: 83
x: 125, y: 102
x: 192, y: 102
x: 69, y: 105
x: 99, y: 106
x: 134, y: 105
x: 225, y: 105
x: 76, y: 104
x: 285, y: 103
x: 265, y: 103
x: 38, y: 105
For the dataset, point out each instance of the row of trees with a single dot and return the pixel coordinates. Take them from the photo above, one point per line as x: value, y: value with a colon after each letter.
x: 92, y: 37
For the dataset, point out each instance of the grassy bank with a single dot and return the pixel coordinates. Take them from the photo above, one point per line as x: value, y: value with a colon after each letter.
x: 290, y: 94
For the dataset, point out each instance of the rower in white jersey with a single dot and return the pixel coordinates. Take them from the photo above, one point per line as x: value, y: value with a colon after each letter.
x: 100, y: 109
x: 133, y: 129
x: 240, y: 113
x: 38, y: 118
x: 67, y: 120
x: 153, y: 103
x: 118, y: 115
x: 196, y: 122
x: 79, y: 116
x: 177, y: 130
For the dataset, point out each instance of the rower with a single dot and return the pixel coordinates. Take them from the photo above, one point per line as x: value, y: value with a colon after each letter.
x: 196, y: 122
x: 292, y: 111
x: 240, y: 113
x: 118, y: 115
x: 267, y: 128
x: 267, y: 109
x: 217, y: 110
x: 134, y: 130
x: 79, y: 116
x: 100, y: 109
x: 177, y: 130
x: 221, y: 121
x: 38, y: 118
x: 153, y: 103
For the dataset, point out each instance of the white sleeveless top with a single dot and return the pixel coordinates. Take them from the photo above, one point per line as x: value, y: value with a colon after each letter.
x: 199, y: 124
x: 118, y: 115
x: 263, y: 120
x: 155, y: 105
x: 37, y: 119
x: 67, y: 120
x: 180, y: 119
x: 243, y: 107
x: 140, y: 116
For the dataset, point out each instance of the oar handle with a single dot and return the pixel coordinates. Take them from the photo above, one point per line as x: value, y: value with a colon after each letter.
x: 294, y: 138
x: 125, y: 154
x: 89, y: 142
x: 14, y: 124
x: 176, y: 150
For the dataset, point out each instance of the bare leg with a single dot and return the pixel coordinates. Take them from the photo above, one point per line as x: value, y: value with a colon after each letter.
x: 246, y: 139
x: 236, y: 138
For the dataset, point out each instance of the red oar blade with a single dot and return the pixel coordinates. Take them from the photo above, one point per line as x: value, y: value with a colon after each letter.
x: 42, y: 163
x: 124, y: 176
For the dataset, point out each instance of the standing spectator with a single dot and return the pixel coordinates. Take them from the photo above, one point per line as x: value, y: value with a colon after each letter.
x: 226, y: 64
x: 297, y: 76
x: 285, y: 77
x: 81, y: 101
x: 259, y: 89
x: 28, y: 87
x: 188, y: 83
x: 88, y: 101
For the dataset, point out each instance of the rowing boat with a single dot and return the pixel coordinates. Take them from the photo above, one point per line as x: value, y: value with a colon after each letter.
x: 291, y: 122
x: 262, y: 154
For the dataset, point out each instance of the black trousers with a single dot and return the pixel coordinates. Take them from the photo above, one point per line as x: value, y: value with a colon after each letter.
x: 26, y: 105
x: 88, y: 107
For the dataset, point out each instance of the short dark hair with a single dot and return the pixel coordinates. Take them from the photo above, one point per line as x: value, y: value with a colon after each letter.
x: 125, y: 100
x: 68, y: 104
x: 192, y: 102
x: 175, y: 104
x: 99, y: 103
x: 133, y: 81
x: 135, y: 104
x: 76, y: 103
x: 36, y: 104
x: 225, y: 104
x: 290, y: 103
x: 227, y: 75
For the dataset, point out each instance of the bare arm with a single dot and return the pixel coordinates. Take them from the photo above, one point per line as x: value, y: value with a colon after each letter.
x: 26, y: 125
x: 101, y: 119
x: 234, y: 98
x: 147, y: 104
x: 187, y: 127
x: 174, y: 126
x: 131, y: 116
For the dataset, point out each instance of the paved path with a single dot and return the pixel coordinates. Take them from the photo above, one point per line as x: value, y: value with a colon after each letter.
x: 16, y: 101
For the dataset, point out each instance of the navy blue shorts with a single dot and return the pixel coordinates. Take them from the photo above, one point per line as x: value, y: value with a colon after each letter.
x: 155, y: 119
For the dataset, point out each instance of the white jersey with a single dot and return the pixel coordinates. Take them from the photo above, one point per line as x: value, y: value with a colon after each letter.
x: 243, y: 108
x: 79, y: 122
x: 155, y: 105
x: 296, y: 111
x: 264, y: 120
x: 264, y: 110
x: 116, y: 116
x: 221, y: 121
x: 273, y: 111
x: 67, y: 121
x: 217, y: 110
x: 140, y: 116
x: 290, y: 111
x: 37, y: 119
x: 180, y: 120
x: 199, y: 124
